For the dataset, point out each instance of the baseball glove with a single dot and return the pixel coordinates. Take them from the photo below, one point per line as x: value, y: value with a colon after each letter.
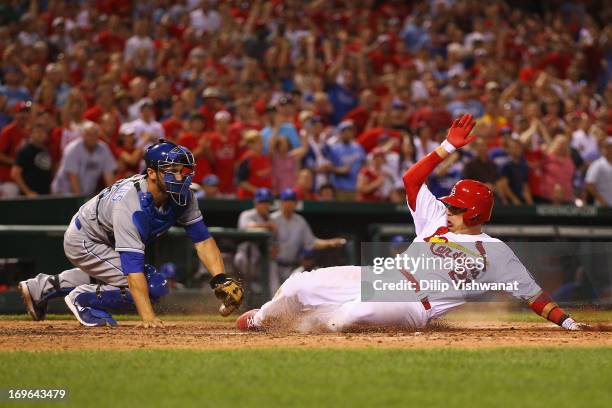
x: 229, y: 291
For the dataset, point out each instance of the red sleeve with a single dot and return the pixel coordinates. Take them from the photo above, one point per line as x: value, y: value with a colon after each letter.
x: 5, y: 141
x: 416, y: 175
x: 548, y: 309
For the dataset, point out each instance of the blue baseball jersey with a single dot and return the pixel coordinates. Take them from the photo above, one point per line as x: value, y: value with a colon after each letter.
x: 125, y: 217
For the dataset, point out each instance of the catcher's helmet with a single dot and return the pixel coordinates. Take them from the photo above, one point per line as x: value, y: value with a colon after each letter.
x: 475, y: 198
x: 164, y: 156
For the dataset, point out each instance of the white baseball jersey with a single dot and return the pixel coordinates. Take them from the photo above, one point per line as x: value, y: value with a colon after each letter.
x: 501, y: 264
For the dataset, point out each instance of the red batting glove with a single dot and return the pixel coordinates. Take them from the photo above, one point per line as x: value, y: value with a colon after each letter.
x: 459, y: 133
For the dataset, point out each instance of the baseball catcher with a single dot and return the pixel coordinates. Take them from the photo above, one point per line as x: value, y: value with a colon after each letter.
x: 106, y: 241
x: 330, y: 298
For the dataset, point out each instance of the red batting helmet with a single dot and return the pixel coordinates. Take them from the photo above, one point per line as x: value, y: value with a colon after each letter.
x: 473, y: 196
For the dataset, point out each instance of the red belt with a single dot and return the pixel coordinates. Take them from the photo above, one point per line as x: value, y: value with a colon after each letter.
x: 411, y: 278
x: 426, y: 303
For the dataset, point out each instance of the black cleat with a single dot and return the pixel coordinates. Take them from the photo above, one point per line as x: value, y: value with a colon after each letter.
x: 36, y: 311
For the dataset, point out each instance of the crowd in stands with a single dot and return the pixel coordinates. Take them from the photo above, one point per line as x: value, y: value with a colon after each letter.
x: 334, y: 99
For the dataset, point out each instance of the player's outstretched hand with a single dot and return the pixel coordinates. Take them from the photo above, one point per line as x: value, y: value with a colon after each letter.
x: 459, y: 133
x: 146, y: 324
x: 229, y: 291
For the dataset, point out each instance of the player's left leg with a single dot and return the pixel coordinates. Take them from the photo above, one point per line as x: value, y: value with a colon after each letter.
x: 358, y: 315
x: 37, y: 291
x: 305, y: 299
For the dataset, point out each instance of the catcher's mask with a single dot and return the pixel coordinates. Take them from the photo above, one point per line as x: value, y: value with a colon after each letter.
x: 176, y: 165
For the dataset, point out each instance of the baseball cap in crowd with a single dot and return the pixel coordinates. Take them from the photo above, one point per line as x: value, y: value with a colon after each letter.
x: 288, y: 195
x: 22, y: 106
x: 263, y: 195
x: 378, y: 151
x: 285, y: 100
x: 505, y: 130
x: 210, y: 180
x: 127, y: 129
x: 211, y: 92
x: 491, y: 85
x: 346, y: 124
x: 397, y: 104
x: 222, y: 115
x: 146, y: 103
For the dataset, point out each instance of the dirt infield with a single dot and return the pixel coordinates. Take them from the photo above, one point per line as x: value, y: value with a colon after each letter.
x: 68, y: 335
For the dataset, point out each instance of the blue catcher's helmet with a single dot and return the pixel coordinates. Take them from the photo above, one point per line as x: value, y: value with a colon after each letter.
x: 172, y: 160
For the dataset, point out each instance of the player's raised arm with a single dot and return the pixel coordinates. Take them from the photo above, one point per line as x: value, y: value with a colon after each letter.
x: 458, y: 136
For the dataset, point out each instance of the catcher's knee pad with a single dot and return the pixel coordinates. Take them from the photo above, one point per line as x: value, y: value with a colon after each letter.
x: 106, y: 300
x: 158, y: 284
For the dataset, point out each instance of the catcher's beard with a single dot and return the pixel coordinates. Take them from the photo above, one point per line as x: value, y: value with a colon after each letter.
x: 161, y: 186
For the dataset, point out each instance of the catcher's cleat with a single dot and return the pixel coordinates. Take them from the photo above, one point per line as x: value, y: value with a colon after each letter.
x: 246, y: 321
x: 36, y: 310
x: 88, y: 316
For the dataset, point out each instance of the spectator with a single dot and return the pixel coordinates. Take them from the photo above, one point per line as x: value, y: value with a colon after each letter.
x: 599, y: 176
x: 347, y: 159
x: 341, y: 92
x: 12, y: 88
x: 224, y: 152
x: 137, y: 94
x: 212, y: 102
x: 85, y: 161
x: 173, y: 125
x: 318, y: 158
x: 583, y: 140
x: 55, y: 74
x: 11, y: 139
x: 72, y: 120
x: 450, y: 171
x: 196, y: 140
x: 465, y: 103
x: 5, y: 117
x: 32, y: 170
x: 326, y: 192
x: 372, y: 177
x: 481, y: 168
x: 147, y: 130
x: 443, y: 61
x: 140, y: 42
x: 424, y: 142
x: 557, y: 172
x: 285, y: 162
x: 210, y: 187
x: 104, y: 104
x: 205, y: 19
x: 304, y: 185
x: 254, y: 169
x: 282, y: 125
x: 515, y: 175
x: 293, y: 234
x: 360, y: 115
x: 129, y: 156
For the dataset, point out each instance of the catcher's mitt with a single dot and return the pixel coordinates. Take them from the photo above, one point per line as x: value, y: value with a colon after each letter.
x: 229, y: 291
